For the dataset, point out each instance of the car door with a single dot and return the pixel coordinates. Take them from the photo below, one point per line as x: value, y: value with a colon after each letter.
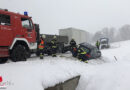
x: 28, y: 29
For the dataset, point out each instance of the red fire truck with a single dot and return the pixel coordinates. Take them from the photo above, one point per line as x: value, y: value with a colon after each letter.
x: 18, y: 36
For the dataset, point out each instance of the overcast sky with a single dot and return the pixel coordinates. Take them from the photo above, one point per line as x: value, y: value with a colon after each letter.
x: 89, y: 15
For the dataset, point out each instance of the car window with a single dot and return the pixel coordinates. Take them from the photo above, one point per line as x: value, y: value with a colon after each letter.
x: 104, y: 41
x: 4, y: 19
x: 86, y: 49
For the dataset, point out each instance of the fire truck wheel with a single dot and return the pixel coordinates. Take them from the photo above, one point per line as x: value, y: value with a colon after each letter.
x: 28, y: 54
x: 19, y: 53
x: 38, y: 53
x: 3, y: 60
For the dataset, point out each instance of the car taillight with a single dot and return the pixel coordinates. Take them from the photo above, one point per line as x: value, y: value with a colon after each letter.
x: 87, y: 55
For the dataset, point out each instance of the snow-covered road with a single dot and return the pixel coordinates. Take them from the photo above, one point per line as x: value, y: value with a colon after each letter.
x: 104, y: 73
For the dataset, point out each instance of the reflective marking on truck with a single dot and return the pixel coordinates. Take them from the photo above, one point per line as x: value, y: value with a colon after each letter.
x: 25, y: 40
x: 19, y: 35
x: 21, y: 39
x: 5, y: 28
x: 29, y: 37
x: 3, y: 49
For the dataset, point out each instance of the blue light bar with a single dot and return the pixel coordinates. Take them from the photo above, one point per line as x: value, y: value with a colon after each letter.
x: 26, y: 13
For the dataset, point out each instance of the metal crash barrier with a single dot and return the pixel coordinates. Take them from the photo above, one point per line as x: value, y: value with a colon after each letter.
x: 70, y: 84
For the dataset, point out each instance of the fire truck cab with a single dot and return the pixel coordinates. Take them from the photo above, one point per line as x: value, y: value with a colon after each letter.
x: 17, y: 36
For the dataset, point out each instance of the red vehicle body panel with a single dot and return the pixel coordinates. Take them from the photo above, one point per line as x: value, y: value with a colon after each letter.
x: 15, y: 30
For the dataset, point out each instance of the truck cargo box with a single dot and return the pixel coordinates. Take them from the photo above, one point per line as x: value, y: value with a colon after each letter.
x: 80, y: 36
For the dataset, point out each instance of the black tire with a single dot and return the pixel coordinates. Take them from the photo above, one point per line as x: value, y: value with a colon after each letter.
x: 63, y: 50
x: 37, y: 53
x: 3, y: 60
x: 28, y: 54
x: 19, y: 53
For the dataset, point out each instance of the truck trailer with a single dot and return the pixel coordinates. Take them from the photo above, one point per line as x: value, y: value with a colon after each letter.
x: 78, y: 35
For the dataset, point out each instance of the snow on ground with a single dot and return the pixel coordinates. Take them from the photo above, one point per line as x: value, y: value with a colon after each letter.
x: 104, y: 73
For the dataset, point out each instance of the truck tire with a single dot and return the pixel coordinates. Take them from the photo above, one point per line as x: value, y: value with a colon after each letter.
x: 28, y: 54
x: 37, y: 53
x: 19, y: 53
x: 3, y: 60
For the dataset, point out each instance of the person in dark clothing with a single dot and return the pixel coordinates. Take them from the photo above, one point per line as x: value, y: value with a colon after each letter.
x: 98, y: 44
x: 74, y: 51
x: 83, y: 55
x: 73, y: 47
x: 54, y: 46
x: 72, y: 43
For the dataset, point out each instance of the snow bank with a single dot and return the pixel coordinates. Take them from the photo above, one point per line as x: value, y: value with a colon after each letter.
x: 38, y: 74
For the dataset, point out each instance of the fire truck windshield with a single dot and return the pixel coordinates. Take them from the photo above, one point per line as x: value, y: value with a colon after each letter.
x: 26, y: 23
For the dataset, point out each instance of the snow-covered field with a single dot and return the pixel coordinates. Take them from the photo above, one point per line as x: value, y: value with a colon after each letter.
x: 105, y: 73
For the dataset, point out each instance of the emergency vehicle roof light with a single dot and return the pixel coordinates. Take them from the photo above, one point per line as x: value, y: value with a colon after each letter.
x: 26, y: 13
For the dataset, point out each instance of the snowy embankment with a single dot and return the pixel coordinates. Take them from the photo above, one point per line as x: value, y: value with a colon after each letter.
x: 99, y: 74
